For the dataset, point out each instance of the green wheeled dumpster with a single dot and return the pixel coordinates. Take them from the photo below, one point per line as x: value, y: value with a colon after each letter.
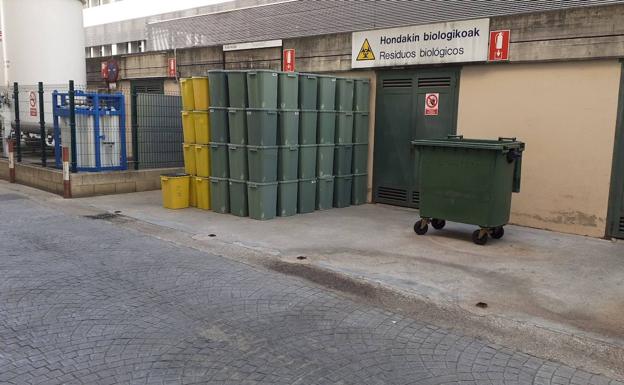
x: 468, y: 181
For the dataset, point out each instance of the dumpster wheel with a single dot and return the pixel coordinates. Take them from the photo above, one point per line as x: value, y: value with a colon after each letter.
x: 421, y: 226
x: 480, y: 236
x: 498, y: 232
x: 438, y: 224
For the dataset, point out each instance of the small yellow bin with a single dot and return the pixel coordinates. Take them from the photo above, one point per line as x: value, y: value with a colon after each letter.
x: 188, y: 99
x: 192, y: 192
x: 201, y: 122
x: 189, y: 158
x: 202, y: 189
x: 201, y: 94
x: 175, y: 190
x: 188, y: 126
x: 202, y: 160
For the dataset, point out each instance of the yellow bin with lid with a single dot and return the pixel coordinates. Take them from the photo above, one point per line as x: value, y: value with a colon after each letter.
x: 202, y: 189
x: 188, y: 97
x: 201, y: 95
x: 202, y: 160
x: 188, y: 126
x: 175, y: 190
x: 189, y: 158
x: 201, y: 123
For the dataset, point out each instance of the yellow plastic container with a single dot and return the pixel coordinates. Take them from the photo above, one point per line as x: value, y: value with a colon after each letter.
x: 201, y: 123
x: 188, y: 126
x: 202, y: 189
x: 202, y: 160
x: 188, y: 98
x: 201, y: 95
x: 175, y: 190
x: 189, y: 158
x: 192, y: 192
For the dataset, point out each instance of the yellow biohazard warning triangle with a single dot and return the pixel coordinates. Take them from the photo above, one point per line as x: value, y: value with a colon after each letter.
x: 366, y: 53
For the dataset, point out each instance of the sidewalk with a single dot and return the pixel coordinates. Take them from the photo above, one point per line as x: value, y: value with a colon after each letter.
x: 537, y: 284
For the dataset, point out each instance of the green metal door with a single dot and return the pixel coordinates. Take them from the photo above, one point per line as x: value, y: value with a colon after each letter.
x: 615, y: 219
x: 401, y: 116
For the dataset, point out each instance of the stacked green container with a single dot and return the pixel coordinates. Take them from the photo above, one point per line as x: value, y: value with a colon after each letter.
x: 237, y: 122
x: 262, y: 198
x: 262, y: 89
x: 237, y: 88
x: 219, y: 126
x: 324, y: 193
x: 219, y: 166
x: 343, y: 151
x: 359, y: 166
x: 219, y: 195
x: 288, y: 90
x: 217, y: 85
x: 237, y: 159
x: 238, y: 197
x: 307, y: 195
x: 289, y: 121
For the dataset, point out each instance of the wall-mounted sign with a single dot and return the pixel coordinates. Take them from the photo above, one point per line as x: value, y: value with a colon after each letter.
x: 252, y: 45
x: 288, y: 63
x: 454, y: 42
x: 172, y: 69
x: 432, y: 104
x: 499, y: 45
x: 32, y: 102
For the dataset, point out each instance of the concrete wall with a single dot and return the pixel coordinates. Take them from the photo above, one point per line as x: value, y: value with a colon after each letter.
x: 566, y: 114
x: 86, y: 184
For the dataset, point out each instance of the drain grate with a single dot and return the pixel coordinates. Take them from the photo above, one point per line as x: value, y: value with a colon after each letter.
x: 102, y: 216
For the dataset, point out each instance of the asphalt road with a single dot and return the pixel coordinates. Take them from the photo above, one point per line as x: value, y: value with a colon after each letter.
x: 83, y: 301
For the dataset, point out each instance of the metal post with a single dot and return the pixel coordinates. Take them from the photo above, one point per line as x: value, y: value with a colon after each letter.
x: 72, y: 126
x: 18, y: 129
x: 134, y: 127
x: 42, y: 128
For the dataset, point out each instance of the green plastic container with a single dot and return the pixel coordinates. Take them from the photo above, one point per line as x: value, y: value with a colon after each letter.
x: 262, y: 161
x: 325, y: 193
x: 288, y: 90
x: 261, y: 127
x: 218, y: 124
x: 262, y: 200
x: 287, y: 162
x: 288, y: 127
x: 361, y: 95
x: 344, y: 94
x: 219, y: 195
x: 360, y: 127
x: 262, y: 89
x: 359, y: 189
x: 343, y: 158
x: 468, y: 180
x: 287, y: 192
x: 307, y: 196
x: 342, y: 190
x: 326, y: 93
x: 360, y: 158
x: 237, y: 88
x: 219, y: 166
x: 344, y: 127
x: 326, y: 127
x: 325, y: 160
x: 308, y: 91
x: 307, y: 161
x: 238, y: 197
x: 307, y: 131
x: 237, y: 121
x: 217, y: 86
x: 237, y: 157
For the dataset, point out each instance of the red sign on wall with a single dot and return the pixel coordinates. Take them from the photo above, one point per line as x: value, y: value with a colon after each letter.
x: 104, y: 70
x: 32, y: 102
x: 172, y: 67
x: 499, y: 45
x: 289, y: 60
x: 432, y: 104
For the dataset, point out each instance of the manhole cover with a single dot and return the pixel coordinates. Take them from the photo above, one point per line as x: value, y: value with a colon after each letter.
x: 10, y: 197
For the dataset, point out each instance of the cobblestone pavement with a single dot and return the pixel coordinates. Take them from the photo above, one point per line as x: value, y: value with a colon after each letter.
x: 85, y: 302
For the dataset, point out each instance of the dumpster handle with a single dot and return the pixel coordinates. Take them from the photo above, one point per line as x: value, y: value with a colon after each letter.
x: 455, y: 137
x: 511, y: 139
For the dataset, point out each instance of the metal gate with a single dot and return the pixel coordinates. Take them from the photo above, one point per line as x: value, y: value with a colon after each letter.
x: 615, y: 219
x: 402, y: 116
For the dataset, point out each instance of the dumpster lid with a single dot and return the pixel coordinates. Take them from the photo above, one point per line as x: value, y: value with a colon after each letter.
x: 175, y: 175
x: 458, y: 141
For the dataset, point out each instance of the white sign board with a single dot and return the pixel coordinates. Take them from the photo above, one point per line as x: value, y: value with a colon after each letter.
x: 252, y: 45
x: 454, y: 42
